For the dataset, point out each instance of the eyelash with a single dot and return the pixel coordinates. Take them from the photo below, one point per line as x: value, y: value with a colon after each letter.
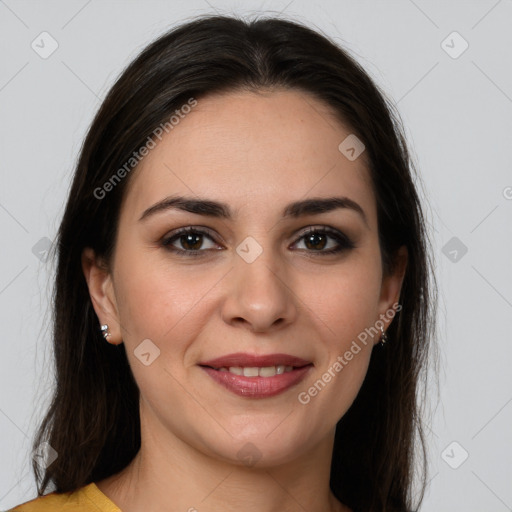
x: 344, y: 243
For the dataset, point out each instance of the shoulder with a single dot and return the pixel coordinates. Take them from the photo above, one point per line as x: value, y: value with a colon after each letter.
x: 85, y: 499
x: 52, y: 501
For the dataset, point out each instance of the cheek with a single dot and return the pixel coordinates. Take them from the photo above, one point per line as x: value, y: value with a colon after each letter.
x: 342, y: 316
x: 347, y: 299
x: 154, y: 296
x: 166, y: 308
x: 344, y: 307
x: 156, y: 300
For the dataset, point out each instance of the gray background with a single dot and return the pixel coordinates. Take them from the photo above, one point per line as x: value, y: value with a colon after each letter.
x: 458, y: 117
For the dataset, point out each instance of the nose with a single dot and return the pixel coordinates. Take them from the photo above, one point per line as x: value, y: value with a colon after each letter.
x: 259, y: 294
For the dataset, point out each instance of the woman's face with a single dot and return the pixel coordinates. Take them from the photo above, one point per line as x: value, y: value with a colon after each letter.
x: 256, y: 284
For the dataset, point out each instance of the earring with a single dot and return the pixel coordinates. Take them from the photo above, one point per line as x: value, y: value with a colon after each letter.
x: 104, y: 330
x: 384, y: 338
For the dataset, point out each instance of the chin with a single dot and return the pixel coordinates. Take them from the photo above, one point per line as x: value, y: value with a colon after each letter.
x: 264, y: 450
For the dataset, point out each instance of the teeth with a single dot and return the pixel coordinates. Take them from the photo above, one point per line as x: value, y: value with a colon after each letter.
x: 266, y: 371
x: 250, y: 372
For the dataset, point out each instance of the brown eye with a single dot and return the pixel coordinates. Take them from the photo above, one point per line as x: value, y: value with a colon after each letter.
x: 192, y: 241
x: 316, y: 240
x: 188, y: 241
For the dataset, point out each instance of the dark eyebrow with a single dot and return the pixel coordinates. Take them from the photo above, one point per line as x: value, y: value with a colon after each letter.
x: 210, y: 208
x: 314, y: 206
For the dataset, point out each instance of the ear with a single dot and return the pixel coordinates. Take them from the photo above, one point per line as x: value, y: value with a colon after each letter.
x: 101, y: 291
x: 391, y: 287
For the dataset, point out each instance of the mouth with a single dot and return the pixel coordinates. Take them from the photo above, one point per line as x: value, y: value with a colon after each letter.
x: 257, y: 371
x: 255, y: 376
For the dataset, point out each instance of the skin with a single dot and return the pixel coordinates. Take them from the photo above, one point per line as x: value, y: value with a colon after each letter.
x: 291, y: 299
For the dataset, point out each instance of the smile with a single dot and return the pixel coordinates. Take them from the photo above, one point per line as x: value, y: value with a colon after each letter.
x: 254, y: 371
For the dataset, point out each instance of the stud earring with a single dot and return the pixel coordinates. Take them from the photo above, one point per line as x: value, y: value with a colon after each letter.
x: 384, y: 338
x: 104, y: 330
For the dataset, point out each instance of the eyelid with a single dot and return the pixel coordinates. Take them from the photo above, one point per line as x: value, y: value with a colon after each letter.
x: 319, y: 227
x: 343, y: 241
x: 202, y: 230
x: 339, y: 236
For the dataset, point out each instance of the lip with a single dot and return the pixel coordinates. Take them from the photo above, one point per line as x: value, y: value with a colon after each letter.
x: 258, y: 387
x: 252, y: 360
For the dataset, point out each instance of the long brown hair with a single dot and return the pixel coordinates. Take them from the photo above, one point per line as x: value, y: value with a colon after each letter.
x: 93, y: 420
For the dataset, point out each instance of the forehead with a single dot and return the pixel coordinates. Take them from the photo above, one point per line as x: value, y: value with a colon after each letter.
x: 255, y: 151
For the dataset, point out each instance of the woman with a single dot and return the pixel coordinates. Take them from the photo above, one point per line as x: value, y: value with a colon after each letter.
x: 241, y: 232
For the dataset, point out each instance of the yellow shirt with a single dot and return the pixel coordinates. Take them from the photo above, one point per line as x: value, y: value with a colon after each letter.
x: 88, y: 498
